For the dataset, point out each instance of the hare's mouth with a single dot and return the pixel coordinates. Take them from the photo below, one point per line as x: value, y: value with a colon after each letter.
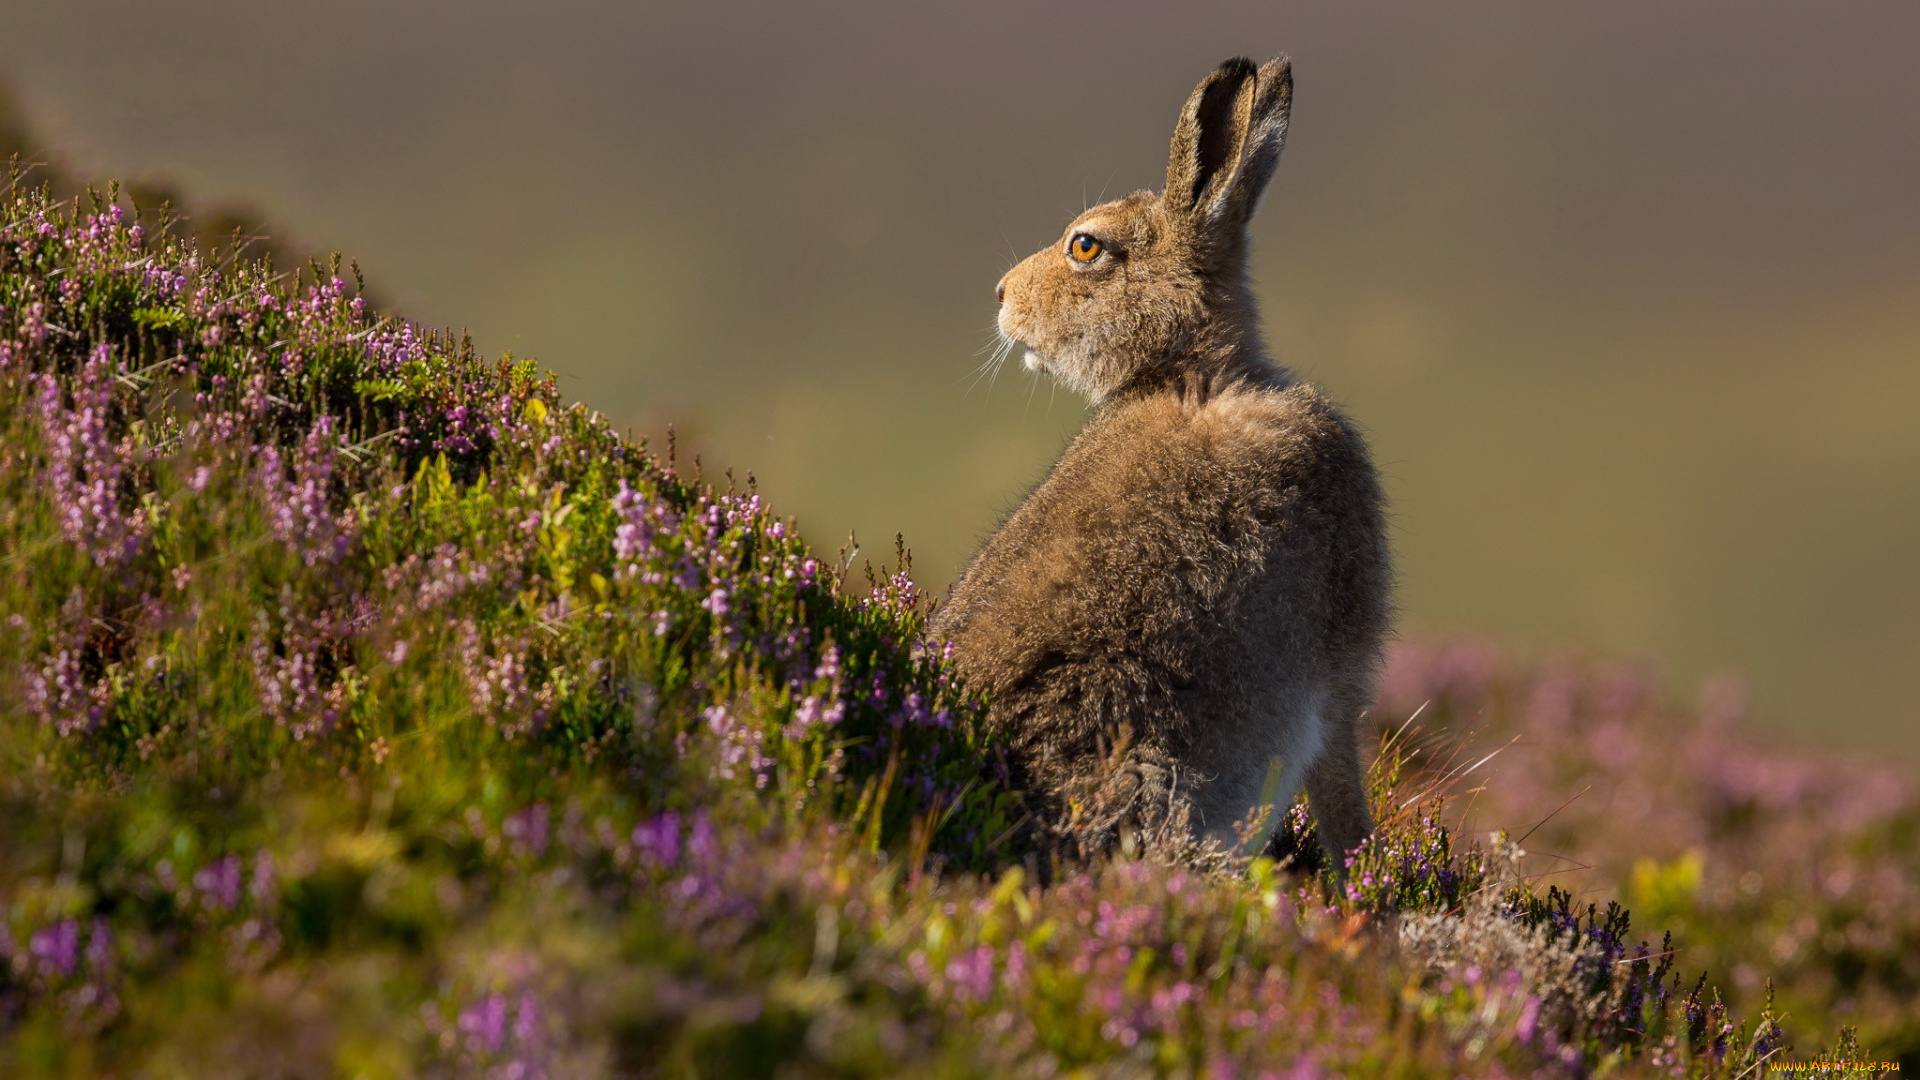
x: 1036, y: 362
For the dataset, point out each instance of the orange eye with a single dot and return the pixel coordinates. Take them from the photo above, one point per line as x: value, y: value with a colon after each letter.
x: 1084, y: 248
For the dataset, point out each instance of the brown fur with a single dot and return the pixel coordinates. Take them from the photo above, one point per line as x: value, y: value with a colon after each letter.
x: 1193, y: 602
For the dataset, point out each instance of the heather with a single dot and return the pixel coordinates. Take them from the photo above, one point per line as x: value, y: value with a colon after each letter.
x: 1779, y: 869
x: 368, y: 711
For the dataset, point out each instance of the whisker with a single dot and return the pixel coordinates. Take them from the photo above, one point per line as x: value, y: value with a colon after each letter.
x: 979, y: 372
x: 999, y: 363
x: 989, y: 369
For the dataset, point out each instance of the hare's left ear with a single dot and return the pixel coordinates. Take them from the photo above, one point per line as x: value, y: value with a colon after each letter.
x: 1228, y: 142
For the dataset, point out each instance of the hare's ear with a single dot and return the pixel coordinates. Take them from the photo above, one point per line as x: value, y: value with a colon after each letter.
x: 1228, y: 142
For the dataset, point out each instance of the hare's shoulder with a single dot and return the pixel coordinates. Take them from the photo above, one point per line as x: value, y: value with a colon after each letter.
x: 1156, y: 479
x: 1296, y: 423
x: 1264, y: 435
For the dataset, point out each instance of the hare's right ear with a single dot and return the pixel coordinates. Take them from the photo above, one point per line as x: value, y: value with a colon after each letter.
x: 1228, y: 143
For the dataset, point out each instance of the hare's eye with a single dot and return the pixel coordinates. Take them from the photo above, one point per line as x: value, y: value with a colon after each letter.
x: 1084, y: 248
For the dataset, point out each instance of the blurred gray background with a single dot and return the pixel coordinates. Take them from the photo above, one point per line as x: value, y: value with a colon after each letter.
x: 1628, y: 295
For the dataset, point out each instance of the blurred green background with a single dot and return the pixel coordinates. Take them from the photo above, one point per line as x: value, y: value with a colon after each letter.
x: 1628, y: 295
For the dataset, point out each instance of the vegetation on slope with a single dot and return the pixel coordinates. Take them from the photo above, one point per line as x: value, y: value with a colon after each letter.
x: 1781, y: 870
x: 369, y: 713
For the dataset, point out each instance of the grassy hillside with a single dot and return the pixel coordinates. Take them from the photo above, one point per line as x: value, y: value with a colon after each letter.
x: 369, y: 713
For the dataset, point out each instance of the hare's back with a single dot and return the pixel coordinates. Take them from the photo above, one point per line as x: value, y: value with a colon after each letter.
x: 1169, y: 526
x: 1266, y: 499
x: 1297, y: 476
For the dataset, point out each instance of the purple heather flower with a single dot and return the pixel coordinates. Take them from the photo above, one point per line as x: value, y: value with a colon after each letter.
x: 287, y: 680
x: 658, y: 840
x: 526, y: 1021
x: 85, y: 465
x: 739, y: 746
x: 814, y: 711
x: 1529, y: 1016
x: 56, y: 948
x: 100, y: 946
x: 528, y: 828
x: 971, y: 973
x: 1015, y: 975
x: 299, y: 510
x: 219, y: 883
x: 500, y: 689
x: 485, y: 1022
x: 261, y: 888
x: 61, y: 696
x: 702, y: 843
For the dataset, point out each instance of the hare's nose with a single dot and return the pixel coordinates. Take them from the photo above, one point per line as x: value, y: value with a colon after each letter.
x: 1000, y: 292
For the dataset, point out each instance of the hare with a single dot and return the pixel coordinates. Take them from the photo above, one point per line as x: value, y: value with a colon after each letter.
x: 1184, y: 620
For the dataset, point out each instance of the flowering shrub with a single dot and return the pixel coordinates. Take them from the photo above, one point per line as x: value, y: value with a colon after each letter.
x: 1789, y: 874
x: 368, y: 712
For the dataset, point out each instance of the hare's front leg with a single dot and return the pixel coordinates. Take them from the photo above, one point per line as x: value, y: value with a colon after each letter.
x: 1337, y: 786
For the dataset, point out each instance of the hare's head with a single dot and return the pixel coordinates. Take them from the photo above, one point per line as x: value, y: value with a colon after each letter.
x: 1152, y: 288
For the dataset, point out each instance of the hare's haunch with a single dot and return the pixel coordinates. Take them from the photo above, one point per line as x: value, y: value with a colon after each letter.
x: 1184, y: 620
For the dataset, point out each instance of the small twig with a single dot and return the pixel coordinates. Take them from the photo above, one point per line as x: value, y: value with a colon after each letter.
x: 242, y: 240
x: 20, y: 174
x: 1649, y: 956
x: 283, y: 275
x: 1454, y: 774
x: 368, y: 332
x: 1763, y: 1059
x: 137, y: 379
x: 1010, y: 830
x: 358, y: 450
x: 1394, y: 738
x: 1549, y: 817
